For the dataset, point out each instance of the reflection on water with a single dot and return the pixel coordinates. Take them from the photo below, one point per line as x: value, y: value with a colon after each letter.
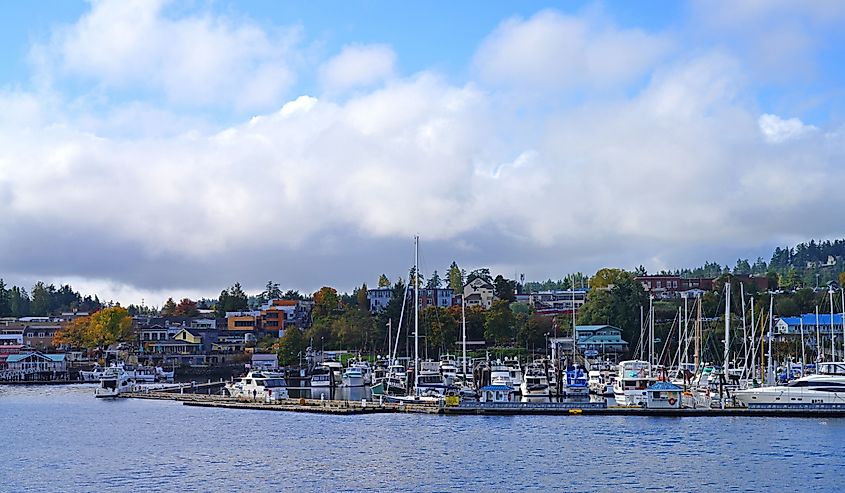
x: 63, y: 439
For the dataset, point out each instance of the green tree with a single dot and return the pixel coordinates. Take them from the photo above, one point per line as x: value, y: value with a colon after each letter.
x: 361, y: 298
x: 19, y: 302
x: 619, y: 306
x: 40, y: 305
x: 383, y: 281
x: 236, y: 300
x: 169, y: 308
x: 608, y: 277
x: 271, y: 292
x: 456, y: 278
x: 5, y: 306
x: 292, y: 294
x: 434, y: 281
x: 504, y: 289
x: 440, y: 327
x: 483, y: 273
x: 498, y: 323
x: 291, y: 345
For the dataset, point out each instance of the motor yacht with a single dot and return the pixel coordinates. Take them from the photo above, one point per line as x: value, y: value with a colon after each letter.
x: 631, y: 382
x: 259, y: 385
x: 825, y: 387
x: 576, y: 383
x: 113, y: 382
x: 535, y: 383
x: 353, y: 377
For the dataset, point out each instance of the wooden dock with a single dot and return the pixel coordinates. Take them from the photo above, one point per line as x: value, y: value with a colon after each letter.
x: 293, y: 405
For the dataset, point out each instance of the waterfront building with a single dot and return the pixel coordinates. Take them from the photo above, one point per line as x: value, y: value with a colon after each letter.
x: 600, y: 338
x: 35, y: 365
x: 663, y: 395
x: 479, y: 292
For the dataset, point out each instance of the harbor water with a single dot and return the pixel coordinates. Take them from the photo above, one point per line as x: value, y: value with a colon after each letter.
x: 59, y: 438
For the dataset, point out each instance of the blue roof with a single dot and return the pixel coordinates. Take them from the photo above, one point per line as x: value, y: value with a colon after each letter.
x: 664, y: 386
x: 496, y: 387
x: 810, y: 319
x: 14, y: 358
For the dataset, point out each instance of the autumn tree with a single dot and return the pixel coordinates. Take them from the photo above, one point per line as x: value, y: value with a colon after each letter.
x: 361, y: 298
x: 609, y: 277
x: 383, y: 281
x: 100, y: 330
x: 186, y: 308
x: 326, y: 301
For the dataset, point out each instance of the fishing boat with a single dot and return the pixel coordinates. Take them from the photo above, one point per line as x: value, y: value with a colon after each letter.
x: 259, y: 385
x: 322, y: 376
x: 824, y: 388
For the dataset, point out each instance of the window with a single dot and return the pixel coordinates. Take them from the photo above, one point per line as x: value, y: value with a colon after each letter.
x: 659, y: 283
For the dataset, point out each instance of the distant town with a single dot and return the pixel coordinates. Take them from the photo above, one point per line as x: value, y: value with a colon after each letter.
x: 46, y: 332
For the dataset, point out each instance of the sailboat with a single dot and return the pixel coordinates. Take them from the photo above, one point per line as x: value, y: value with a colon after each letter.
x: 418, y: 396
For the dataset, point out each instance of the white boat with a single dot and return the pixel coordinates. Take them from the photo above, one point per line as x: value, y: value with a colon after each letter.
x: 448, y: 368
x: 515, y: 371
x: 601, y: 380
x: 113, y: 382
x: 825, y: 387
x: 500, y: 375
x: 431, y: 383
x: 259, y: 385
x: 366, y: 371
x: 632, y: 380
x: 92, y: 376
x: 336, y: 370
x: 322, y: 376
x: 535, y: 383
x: 497, y: 393
x: 353, y: 377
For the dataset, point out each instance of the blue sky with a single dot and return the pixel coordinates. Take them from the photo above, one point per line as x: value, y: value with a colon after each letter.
x: 172, y: 149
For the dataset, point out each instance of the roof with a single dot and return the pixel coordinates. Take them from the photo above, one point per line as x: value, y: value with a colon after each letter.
x: 14, y: 358
x: 595, y: 327
x: 663, y: 386
x: 496, y: 387
x: 810, y: 319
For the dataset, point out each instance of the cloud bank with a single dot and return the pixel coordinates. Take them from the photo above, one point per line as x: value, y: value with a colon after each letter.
x: 675, y: 165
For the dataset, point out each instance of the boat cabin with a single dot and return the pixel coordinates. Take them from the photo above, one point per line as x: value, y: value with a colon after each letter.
x: 497, y: 393
x: 663, y: 395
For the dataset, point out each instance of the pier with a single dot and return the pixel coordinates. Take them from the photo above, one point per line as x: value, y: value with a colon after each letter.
x: 341, y: 407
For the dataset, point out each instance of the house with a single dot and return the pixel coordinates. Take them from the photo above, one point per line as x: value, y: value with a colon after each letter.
x: 441, y: 297
x: 276, y: 315
x: 600, y: 338
x: 35, y: 362
x: 792, y: 325
x: 11, y: 335
x: 478, y: 292
x: 40, y: 336
x: 379, y: 298
x: 185, y: 336
x: 555, y: 302
x: 243, y: 320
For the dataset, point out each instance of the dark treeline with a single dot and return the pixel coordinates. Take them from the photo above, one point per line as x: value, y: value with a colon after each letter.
x: 43, y: 300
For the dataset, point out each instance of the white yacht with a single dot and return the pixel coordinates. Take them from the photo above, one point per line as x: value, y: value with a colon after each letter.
x: 448, y: 368
x: 500, y: 375
x: 263, y: 385
x: 353, y: 377
x: 631, y: 382
x: 322, y: 376
x: 113, y: 381
x: 94, y: 375
x: 825, y: 387
x: 535, y: 383
x: 431, y: 382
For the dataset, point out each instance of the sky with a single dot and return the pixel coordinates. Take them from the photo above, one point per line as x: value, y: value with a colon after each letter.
x: 151, y: 148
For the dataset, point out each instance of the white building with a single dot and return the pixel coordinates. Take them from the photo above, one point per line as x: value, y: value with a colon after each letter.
x: 479, y: 292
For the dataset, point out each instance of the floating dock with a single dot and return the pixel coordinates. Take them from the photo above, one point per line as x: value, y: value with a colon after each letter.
x: 339, y: 407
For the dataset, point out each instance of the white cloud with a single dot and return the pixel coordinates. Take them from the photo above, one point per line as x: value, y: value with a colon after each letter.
x: 558, y: 52
x: 776, y: 130
x: 198, y: 59
x: 357, y: 66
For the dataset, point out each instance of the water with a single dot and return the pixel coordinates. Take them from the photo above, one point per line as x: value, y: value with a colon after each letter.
x: 62, y: 439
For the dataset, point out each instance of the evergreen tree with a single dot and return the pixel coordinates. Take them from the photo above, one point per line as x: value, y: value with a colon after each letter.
x: 456, y: 278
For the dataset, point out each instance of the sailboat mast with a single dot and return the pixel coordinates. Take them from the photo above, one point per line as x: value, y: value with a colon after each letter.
x: 650, y: 334
x: 803, y: 359
x: 727, y: 327
x: 753, y: 342
x: 744, y: 331
x: 464, y: 332
x: 642, y: 330
x: 572, y: 287
x: 842, y: 290
x: 819, y: 348
x: 416, y: 312
x: 685, y: 358
x: 832, y: 334
x: 698, y: 334
x: 770, y: 368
